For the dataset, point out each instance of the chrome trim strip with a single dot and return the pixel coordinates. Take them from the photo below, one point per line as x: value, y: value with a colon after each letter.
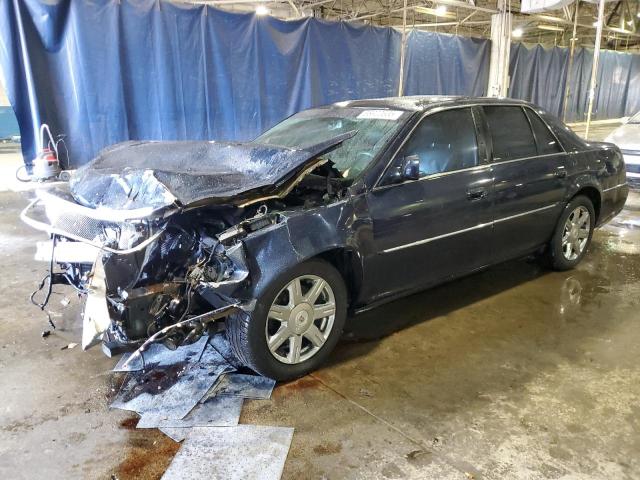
x: 427, y: 240
x: 536, y: 210
x: 433, y: 176
x: 465, y: 230
x: 613, y: 188
x: 498, y: 161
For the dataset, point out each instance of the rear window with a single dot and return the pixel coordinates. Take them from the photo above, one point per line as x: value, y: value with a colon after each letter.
x: 547, y: 143
x: 510, y: 133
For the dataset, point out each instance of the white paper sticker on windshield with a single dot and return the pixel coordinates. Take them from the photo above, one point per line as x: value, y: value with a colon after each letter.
x: 381, y: 114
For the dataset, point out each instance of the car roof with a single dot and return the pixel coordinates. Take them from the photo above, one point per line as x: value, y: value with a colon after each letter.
x: 419, y: 103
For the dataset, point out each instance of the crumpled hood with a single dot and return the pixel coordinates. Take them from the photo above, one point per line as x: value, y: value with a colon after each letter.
x: 157, y: 174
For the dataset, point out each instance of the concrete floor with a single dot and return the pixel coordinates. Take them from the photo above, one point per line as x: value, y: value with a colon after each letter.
x: 517, y: 372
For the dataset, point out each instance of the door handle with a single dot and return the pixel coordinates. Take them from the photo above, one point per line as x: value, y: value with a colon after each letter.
x: 561, y: 173
x: 476, y: 194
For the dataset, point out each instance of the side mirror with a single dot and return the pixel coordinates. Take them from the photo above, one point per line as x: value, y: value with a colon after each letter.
x: 411, y: 167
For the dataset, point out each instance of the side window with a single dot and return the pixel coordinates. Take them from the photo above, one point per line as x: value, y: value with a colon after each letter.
x: 547, y: 143
x: 444, y: 142
x: 510, y: 133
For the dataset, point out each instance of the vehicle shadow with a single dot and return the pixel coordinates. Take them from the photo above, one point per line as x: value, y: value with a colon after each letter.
x: 364, y: 331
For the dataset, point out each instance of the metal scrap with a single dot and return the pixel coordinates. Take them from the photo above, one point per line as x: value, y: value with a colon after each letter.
x: 171, y: 392
x: 214, y: 412
x: 241, y: 452
x: 160, y: 356
x: 244, y: 386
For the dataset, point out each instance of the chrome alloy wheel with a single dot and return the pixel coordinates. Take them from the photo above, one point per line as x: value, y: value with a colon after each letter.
x: 300, y: 319
x: 576, y: 233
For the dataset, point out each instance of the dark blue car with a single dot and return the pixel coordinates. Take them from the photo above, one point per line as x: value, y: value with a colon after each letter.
x: 333, y: 211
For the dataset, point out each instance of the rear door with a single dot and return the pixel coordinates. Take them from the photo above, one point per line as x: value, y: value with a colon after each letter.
x: 439, y: 225
x: 529, y: 179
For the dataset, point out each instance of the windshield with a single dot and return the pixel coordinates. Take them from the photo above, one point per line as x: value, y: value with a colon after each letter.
x: 635, y: 118
x: 374, y: 128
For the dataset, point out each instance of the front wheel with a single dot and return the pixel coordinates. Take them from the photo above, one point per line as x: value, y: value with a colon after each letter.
x: 573, y: 234
x: 296, y: 322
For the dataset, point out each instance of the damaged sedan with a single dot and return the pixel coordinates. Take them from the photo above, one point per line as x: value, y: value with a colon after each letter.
x: 331, y: 212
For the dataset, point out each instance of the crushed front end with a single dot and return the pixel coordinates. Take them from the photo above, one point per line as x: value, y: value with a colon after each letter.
x: 156, y: 250
x: 141, y: 272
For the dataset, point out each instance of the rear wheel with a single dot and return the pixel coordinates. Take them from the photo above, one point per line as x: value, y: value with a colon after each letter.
x: 573, y: 234
x: 295, y: 324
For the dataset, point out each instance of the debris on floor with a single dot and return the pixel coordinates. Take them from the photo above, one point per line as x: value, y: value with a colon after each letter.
x: 171, y: 391
x: 245, y: 386
x: 215, y: 412
x: 240, y: 452
x: 69, y: 346
x: 158, y: 356
x: 194, y: 395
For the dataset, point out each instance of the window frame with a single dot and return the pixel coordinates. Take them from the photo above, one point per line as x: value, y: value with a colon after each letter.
x: 483, y: 158
x: 524, y: 109
x: 529, y: 112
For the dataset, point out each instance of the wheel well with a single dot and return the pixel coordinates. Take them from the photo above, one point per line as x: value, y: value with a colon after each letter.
x: 592, y: 194
x: 344, y: 260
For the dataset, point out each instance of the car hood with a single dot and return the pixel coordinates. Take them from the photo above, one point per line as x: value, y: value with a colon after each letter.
x: 143, y: 174
x: 626, y: 137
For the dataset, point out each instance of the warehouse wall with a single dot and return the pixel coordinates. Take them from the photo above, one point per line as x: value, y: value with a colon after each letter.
x: 539, y: 75
x: 104, y: 72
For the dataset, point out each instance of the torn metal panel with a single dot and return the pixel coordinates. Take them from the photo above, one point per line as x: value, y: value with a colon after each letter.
x: 244, y: 452
x: 171, y: 392
x: 159, y: 356
x: 244, y: 386
x: 95, y: 319
x: 214, y: 412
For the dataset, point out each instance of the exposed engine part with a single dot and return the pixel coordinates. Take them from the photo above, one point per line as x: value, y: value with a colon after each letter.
x: 184, y: 332
x: 261, y: 220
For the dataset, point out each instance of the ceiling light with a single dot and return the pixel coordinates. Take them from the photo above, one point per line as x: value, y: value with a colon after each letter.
x: 262, y: 10
x: 517, y: 33
x: 441, y: 11
x: 552, y: 28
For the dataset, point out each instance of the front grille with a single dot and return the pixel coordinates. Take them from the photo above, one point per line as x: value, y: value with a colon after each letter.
x: 79, y: 225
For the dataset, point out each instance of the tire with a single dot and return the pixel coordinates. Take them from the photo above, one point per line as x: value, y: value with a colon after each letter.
x: 248, y: 333
x: 558, y: 250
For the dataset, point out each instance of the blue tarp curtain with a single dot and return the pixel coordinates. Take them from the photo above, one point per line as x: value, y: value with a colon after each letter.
x: 107, y: 71
x: 539, y: 75
x: 104, y: 71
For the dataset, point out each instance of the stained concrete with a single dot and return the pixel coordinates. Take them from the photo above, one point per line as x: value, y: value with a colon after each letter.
x: 516, y: 372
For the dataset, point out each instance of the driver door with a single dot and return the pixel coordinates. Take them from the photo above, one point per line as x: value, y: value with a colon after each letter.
x: 438, y: 224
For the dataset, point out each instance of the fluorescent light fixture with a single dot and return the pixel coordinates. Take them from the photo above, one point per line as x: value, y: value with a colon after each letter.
x: 262, y: 10
x: 551, y: 28
x: 441, y: 11
x: 517, y: 33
